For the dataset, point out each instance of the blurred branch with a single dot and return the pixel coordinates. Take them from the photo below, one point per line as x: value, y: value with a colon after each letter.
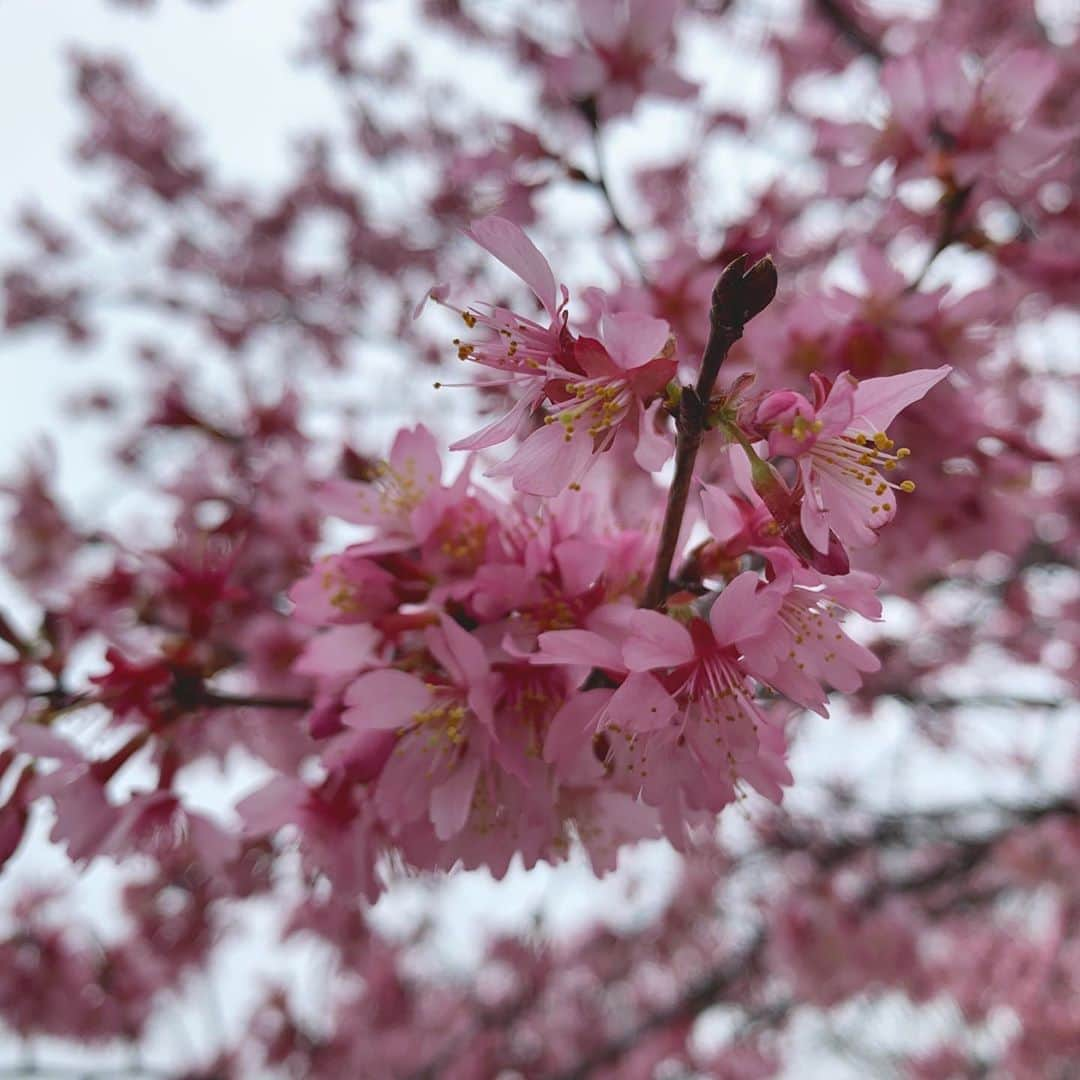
x: 836, y: 13
x: 600, y: 183
x: 968, y: 854
x: 703, y: 994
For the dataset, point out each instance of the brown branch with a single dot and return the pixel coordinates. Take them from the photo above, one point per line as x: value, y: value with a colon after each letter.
x: 739, y: 295
x: 213, y: 700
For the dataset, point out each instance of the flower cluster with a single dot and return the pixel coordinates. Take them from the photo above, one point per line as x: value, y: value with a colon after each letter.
x: 489, y: 682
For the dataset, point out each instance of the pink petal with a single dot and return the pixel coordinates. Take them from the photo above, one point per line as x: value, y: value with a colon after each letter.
x: 835, y: 415
x: 437, y: 292
x: 547, y: 462
x: 509, y: 244
x: 463, y: 655
x: 415, y: 454
x: 339, y: 651
x: 722, y: 514
x: 741, y: 611
x: 579, y: 648
x: 640, y: 704
x: 498, y: 431
x: 878, y: 401
x: 656, y: 641
x: 573, y: 725
x: 451, y: 801
x: 653, y: 447
x: 384, y: 701
x: 580, y: 563
x: 633, y: 339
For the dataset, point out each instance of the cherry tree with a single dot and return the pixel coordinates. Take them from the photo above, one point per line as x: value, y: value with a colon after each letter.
x: 649, y: 430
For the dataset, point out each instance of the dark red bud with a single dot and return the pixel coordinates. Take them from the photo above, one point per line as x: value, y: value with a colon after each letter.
x: 740, y: 294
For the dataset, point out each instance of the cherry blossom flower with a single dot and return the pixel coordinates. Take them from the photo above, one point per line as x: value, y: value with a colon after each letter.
x: 842, y: 450
x: 592, y: 388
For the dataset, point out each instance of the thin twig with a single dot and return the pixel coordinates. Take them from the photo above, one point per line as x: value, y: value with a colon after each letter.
x: 600, y: 183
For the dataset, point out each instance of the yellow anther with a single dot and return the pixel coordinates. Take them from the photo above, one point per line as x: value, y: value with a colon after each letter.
x: 469, y: 319
x: 908, y: 486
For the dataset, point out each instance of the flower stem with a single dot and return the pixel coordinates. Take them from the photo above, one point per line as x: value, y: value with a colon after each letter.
x: 738, y: 296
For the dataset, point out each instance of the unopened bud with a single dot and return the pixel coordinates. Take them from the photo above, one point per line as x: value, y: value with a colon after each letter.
x: 742, y: 293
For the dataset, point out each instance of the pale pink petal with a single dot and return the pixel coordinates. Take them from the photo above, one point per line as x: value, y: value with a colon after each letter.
x: 499, y: 430
x: 653, y: 447
x: 352, y: 501
x: 879, y: 274
x: 463, y: 656
x: 415, y: 455
x: 1018, y: 83
x: 812, y: 517
x: 580, y: 563
x: 854, y: 510
x: 438, y: 293
x: 835, y: 415
x: 633, y: 339
x: 651, y: 22
x: 548, y: 461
